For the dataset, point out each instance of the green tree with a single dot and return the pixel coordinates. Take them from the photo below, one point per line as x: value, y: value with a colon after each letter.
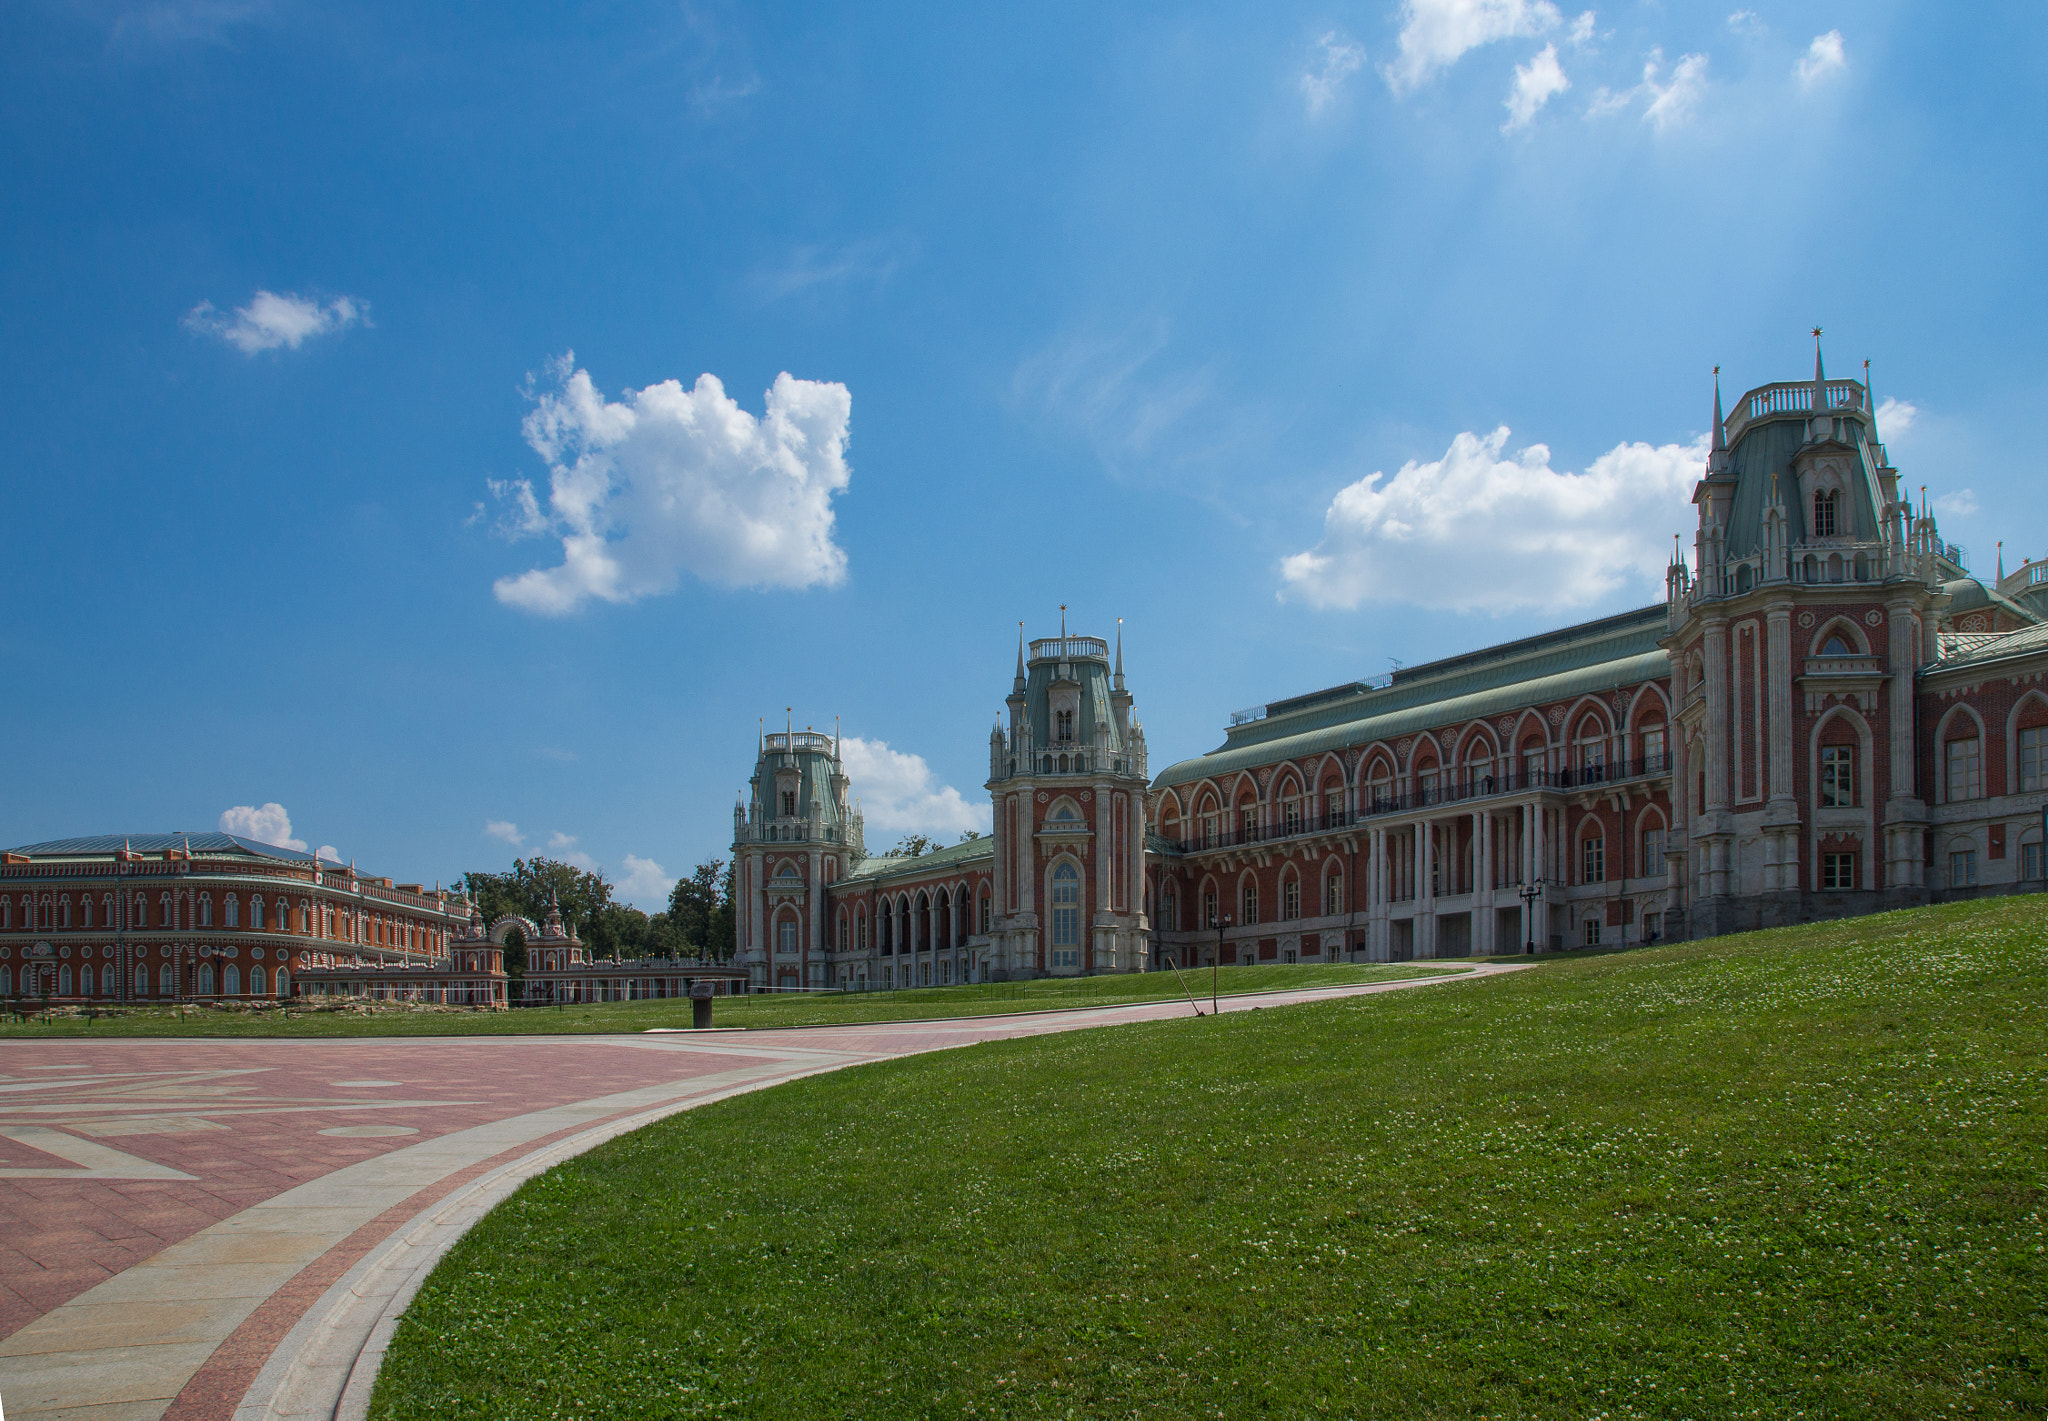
x: 725, y: 922
x: 912, y: 846
x: 700, y: 911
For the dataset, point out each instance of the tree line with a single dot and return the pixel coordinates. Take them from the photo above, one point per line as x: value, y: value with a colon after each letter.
x: 698, y: 922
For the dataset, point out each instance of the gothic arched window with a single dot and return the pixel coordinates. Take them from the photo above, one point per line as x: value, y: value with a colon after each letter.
x: 1826, y: 504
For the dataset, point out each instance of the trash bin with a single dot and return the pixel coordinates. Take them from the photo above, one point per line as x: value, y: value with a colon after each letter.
x: 700, y: 1005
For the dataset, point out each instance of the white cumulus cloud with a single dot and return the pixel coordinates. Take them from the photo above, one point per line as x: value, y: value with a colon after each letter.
x: 1960, y: 504
x: 1331, y: 61
x: 327, y: 853
x: 645, y: 884
x: 1478, y: 531
x: 899, y: 794
x: 1435, y: 34
x: 669, y: 480
x: 1895, y: 417
x: 1536, y: 84
x: 265, y: 823
x: 1822, y: 58
x: 271, y: 320
x: 505, y: 830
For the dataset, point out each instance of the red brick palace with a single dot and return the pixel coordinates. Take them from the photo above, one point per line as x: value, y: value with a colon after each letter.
x: 1827, y: 715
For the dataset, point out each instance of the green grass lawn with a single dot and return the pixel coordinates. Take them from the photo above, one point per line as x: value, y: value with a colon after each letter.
x: 1793, y: 1173
x: 757, y: 1011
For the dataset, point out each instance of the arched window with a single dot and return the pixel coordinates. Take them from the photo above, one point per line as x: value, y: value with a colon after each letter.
x: 785, y: 935
x: 6, y: 980
x: 1333, y: 894
x: 1063, y: 725
x: 255, y: 981
x: 985, y: 912
x: 1066, y: 916
x: 85, y: 980
x: 1826, y: 505
x: 1965, y: 765
x: 231, y: 980
x: 1251, y: 903
x: 255, y: 911
x: 141, y: 979
x: 6, y: 912
x: 284, y: 983
x: 206, y: 910
x: 206, y: 979
x: 85, y: 910
x: 1169, y: 909
x: 1290, y: 898
x: 167, y: 982
x: 64, y: 911
x: 1836, y: 647
x: 64, y: 980
x: 1593, y: 858
x: 234, y: 911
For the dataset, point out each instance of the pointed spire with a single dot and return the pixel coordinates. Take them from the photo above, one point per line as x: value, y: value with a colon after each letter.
x: 1820, y: 376
x: 2001, y: 560
x: 1063, y: 619
x: 835, y: 737
x: 1720, y: 425
x: 1019, y: 686
x: 1119, y: 653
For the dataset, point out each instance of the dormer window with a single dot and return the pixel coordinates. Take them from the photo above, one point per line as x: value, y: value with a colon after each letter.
x: 789, y: 804
x: 1826, y: 505
x: 1836, y: 647
x: 1063, y: 725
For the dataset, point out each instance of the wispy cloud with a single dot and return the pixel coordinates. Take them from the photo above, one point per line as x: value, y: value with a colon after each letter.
x: 1331, y: 61
x: 1746, y: 22
x: 1666, y: 102
x: 872, y: 261
x: 505, y: 831
x: 1536, y: 83
x: 1824, y: 57
x: 1435, y: 34
x: 271, y: 320
x: 1960, y: 504
x: 164, y: 24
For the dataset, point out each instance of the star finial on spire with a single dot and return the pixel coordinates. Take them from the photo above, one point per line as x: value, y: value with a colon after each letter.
x: 1063, y: 619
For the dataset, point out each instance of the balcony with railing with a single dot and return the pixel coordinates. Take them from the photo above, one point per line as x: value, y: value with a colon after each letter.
x: 1475, y: 787
x: 798, y: 742
x: 1791, y: 397
x: 1070, y: 648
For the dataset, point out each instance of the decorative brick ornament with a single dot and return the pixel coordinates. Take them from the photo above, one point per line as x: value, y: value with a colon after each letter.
x: 1557, y: 715
x: 1872, y: 617
x: 1086, y: 796
x: 1505, y: 725
x: 1043, y: 796
x: 1806, y: 619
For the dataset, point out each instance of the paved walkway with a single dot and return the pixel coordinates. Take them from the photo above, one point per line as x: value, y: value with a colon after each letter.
x: 211, y: 1229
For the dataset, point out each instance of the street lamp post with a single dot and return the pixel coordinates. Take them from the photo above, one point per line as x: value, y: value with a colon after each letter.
x: 1215, y: 962
x: 1530, y: 893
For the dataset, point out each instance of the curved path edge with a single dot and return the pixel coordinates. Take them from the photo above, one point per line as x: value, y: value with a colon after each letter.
x: 285, y: 1309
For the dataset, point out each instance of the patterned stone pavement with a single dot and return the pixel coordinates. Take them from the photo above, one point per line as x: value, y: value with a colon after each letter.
x: 211, y: 1229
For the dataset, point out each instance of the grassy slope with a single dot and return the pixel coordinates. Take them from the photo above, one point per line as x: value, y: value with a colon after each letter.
x: 756, y: 1012
x: 1796, y: 1172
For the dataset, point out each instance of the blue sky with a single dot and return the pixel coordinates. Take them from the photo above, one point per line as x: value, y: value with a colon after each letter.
x: 346, y: 475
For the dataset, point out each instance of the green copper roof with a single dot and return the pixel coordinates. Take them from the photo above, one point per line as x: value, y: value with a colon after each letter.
x: 1594, y: 656
x: 199, y: 842
x: 952, y: 856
